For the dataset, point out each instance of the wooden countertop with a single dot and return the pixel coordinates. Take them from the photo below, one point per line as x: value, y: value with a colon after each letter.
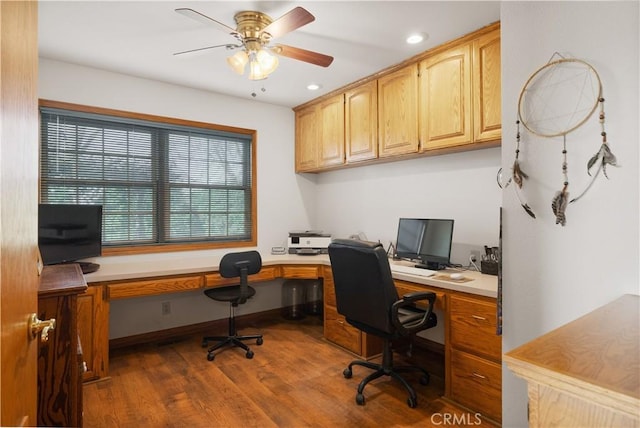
x: 597, y: 354
x: 478, y: 283
x: 61, y: 279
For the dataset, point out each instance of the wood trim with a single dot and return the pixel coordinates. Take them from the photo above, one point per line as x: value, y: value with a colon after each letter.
x: 154, y: 286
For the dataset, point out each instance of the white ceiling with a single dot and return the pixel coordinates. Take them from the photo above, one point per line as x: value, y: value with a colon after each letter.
x: 139, y: 38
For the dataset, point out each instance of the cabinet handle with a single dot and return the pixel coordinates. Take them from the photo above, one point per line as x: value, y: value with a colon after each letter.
x: 478, y: 317
x: 478, y: 375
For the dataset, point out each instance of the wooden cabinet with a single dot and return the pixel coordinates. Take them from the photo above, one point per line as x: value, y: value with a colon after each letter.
x: 487, y: 94
x: 460, y: 96
x: 320, y: 135
x: 445, y: 98
x: 361, y: 122
x: 93, y: 329
x: 331, y: 135
x: 60, y: 356
x: 306, y: 139
x: 474, y: 377
x: 398, y: 112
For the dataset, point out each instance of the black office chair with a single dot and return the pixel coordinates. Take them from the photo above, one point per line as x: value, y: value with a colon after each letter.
x: 366, y: 296
x: 234, y: 265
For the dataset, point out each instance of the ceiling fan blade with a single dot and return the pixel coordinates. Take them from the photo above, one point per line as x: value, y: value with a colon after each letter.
x: 228, y: 46
x: 190, y: 13
x: 304, y: 55
x: 295, y: 18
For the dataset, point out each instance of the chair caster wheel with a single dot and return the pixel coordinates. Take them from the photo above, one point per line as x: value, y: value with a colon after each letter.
x: 204, y: 343
x: 249, y: 355
x: 412, y: 402
x: 424, y: 380
x: 210, y: 357
x: 347, y: 373
x: 360, y: 399
x: 259, y: 341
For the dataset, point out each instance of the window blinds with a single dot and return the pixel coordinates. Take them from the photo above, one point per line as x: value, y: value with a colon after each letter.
x: 158, y: 183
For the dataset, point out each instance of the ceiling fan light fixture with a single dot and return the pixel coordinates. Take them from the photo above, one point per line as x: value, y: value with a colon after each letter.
x: 238, y: 61
x: 267, y: 61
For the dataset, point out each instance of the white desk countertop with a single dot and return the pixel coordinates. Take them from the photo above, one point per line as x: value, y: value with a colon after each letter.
x: 480, y: 284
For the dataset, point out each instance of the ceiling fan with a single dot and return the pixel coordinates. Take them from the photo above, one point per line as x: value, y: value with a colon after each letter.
x: 254, y: 33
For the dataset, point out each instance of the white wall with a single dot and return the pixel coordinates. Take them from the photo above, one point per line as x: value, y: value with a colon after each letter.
x: 284, y: 199
x: 554, y: 274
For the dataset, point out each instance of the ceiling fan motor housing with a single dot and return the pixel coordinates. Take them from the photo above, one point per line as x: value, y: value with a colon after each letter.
x: 250, y: 25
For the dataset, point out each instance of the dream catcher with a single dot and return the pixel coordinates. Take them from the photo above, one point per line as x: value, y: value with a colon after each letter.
x: 556, y: 100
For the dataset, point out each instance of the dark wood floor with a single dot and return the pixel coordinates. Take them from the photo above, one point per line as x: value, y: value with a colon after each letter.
x: 294, y: 380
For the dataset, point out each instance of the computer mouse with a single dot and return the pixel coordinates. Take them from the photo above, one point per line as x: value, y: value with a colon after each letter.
x: 456, y: 276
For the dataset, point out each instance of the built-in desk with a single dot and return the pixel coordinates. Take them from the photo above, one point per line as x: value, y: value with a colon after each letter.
x: 472, y: 347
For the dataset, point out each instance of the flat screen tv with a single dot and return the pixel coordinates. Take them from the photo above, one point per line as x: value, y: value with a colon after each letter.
x: 68, y: 233
x: 427, y: 241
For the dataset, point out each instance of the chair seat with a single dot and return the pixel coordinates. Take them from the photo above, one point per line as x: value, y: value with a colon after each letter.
x: 228, y: 294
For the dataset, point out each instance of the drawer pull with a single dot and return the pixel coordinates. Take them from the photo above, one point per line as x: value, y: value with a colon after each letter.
x: 478, y: 317
x: 478, y: 375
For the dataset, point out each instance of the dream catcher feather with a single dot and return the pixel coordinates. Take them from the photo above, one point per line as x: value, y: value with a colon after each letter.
x: 557, y: 99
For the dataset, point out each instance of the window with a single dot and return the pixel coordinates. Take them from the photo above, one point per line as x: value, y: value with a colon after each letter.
x: 160, y: 181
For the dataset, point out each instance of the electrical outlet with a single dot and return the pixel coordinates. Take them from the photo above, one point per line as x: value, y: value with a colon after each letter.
x: 166, y: 308
x: 473, y: 257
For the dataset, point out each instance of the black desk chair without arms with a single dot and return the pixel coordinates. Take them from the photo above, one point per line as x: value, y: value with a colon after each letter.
x: 366, y: 296
x: 234, y: 265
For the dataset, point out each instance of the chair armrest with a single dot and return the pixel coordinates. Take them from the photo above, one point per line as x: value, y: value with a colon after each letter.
x: 415, y: 323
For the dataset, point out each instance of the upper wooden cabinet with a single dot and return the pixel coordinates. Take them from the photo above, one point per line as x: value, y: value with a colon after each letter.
x: 306, y: 139
x: 487, y: 95
x: 320, y: 135
x: 445, y: 98
x: 331, y: 136
x: 398, y: 112
x: 361, y: 122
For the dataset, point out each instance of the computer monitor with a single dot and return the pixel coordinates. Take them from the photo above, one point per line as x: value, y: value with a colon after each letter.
x: 428, y: 241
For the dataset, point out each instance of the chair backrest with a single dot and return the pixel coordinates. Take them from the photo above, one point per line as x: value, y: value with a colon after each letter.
x: 364, y: 287
x: 241, y: 264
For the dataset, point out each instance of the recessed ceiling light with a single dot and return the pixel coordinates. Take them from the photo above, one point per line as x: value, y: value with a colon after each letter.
x: 416, y: 38
x: 313, y: 86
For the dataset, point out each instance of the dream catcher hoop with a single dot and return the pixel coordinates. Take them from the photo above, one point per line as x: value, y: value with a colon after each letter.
x: 557, y: 99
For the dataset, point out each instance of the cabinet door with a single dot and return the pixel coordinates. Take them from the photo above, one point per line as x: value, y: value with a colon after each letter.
x: 487, y: 96
x: 93, y: 330
x: 445, y: 99
x: 398, y: 112
x: 306, y: 139
x: 331, y: 131
x: 361, y: 122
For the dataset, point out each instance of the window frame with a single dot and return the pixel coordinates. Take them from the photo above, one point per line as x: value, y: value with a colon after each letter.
x: 171, y: 247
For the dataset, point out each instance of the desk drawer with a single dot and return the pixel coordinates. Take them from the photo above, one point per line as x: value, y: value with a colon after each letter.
x: 338, y: 331
x: 267, y: 273
x: 473, y: 326
x: 301, y: 271
x: 406, y: 288
x: 153, y: 287
x: 477, y: 384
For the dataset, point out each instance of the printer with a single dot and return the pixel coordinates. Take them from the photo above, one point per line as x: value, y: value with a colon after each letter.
x: 309, y: 242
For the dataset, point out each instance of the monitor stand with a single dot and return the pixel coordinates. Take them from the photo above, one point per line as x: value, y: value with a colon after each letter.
x: 88, y: 267
x: 431, y: 266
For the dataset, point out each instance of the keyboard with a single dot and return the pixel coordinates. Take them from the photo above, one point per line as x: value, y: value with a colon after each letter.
x: 412, y: 270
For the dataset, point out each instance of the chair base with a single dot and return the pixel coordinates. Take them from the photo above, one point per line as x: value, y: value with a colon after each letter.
x: 387, y: 369
x: 231, y: 341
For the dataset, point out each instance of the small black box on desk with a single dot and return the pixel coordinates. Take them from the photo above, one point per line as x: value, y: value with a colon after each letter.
x: 489, y: 267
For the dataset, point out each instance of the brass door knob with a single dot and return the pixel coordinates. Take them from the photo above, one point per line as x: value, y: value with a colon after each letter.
x: 43, y: 327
